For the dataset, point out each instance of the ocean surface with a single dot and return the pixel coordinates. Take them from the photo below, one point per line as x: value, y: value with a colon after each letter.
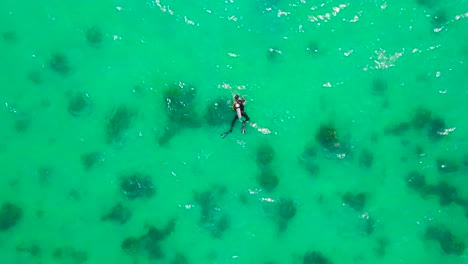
x: 112, y: 113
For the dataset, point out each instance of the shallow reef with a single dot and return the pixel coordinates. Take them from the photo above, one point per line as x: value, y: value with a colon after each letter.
x: 397, y: 129
x: 30, y: 247
x: 180, y: 259
x: 180, y: 110
x: 59, y: 64
x: 436, y: 128
x: 366, y: 160
x: 308, y: 160
x: 35, y: 77
x: 92, y: 160
x: 447, y: 241
x: 326, y: 136
x: 10, y: 36
x: 422, y: 117
x: 285, y: 211
x: 265, y: 155
x: 268, y: 179
x: 137, y: 185
x: 356, y: 201
x: 45, y: 173
x: 118, y: 123
x: 94, y: 36
x: 379, y: 87
x: 381, y: 247
x: 446, y: 193
x: 22, y: 123
x: 218, y: 112
x: 315, y: 257
x: 79, y: 104
x: 313, y: 48
x: 446, y: 165
x: 179, y: 100
x: 150, y: 242
x: 10, y: 215
x: 416, y: 181
x: 335, y: 148
x: 212, y: 218
x: 70, y: 255
x: 119, y: 213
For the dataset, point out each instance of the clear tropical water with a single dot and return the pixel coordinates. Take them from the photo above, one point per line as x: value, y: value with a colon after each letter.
x: 112, y: 111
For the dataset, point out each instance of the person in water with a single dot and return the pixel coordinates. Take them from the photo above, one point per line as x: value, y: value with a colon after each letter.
x: 238, y: 106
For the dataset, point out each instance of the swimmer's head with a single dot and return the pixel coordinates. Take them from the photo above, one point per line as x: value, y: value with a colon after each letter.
x: 236, y: 97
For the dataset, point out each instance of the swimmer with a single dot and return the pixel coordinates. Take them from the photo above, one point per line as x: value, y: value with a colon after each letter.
x: 238, y: 106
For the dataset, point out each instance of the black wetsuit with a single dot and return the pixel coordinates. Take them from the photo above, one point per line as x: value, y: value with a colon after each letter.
x: 240, y: 102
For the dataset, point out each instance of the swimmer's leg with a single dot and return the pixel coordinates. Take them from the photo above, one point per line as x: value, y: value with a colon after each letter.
x: 243, y: 123
x: 232, y: 126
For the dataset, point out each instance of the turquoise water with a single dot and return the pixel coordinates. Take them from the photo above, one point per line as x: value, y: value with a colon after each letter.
x: 356, y: 151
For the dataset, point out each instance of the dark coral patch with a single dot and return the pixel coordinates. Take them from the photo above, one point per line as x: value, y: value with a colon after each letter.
x: 30, y: 248
x: 212, y: 217
x: 92, y: 160
x: 22, y: 123
x: 428, y: 3
x: 286, y: 210
x: 447, y: 194
x: 313, y: 48
x: 315, y: 257
x: 355, y: 201
x: 150, y: 243
x: 379, y: 87
x: 447, y: 241
x: 308, y: 160
x: 446, y: 165
x: 10, y: 215
x: 366, y: 160
x: 439, y: 19
x: 326, y: 136
x: 180, y: 259
x: 416, y: 181
x: 422, y: 117
x: 398, y: 129
x: 168, y: 134
x: 381, y: 248
x: 274, y: 54
x: 70, y: 255
x: 137, y: 185
x: 59, y: 63
x: 267, y: 179
x: 119, y: 214
x: 265, y: 155
x: 369, y: 225
x: 79, y: 104
x: 118, y: 123
x: 45, y: 174
x: 130, y: 245
x: 10, y: 36
x: 436, y: 128
x: 94, y: 36
x: 179, y: 101
x: 218, y: 112
x: 35, y: 77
